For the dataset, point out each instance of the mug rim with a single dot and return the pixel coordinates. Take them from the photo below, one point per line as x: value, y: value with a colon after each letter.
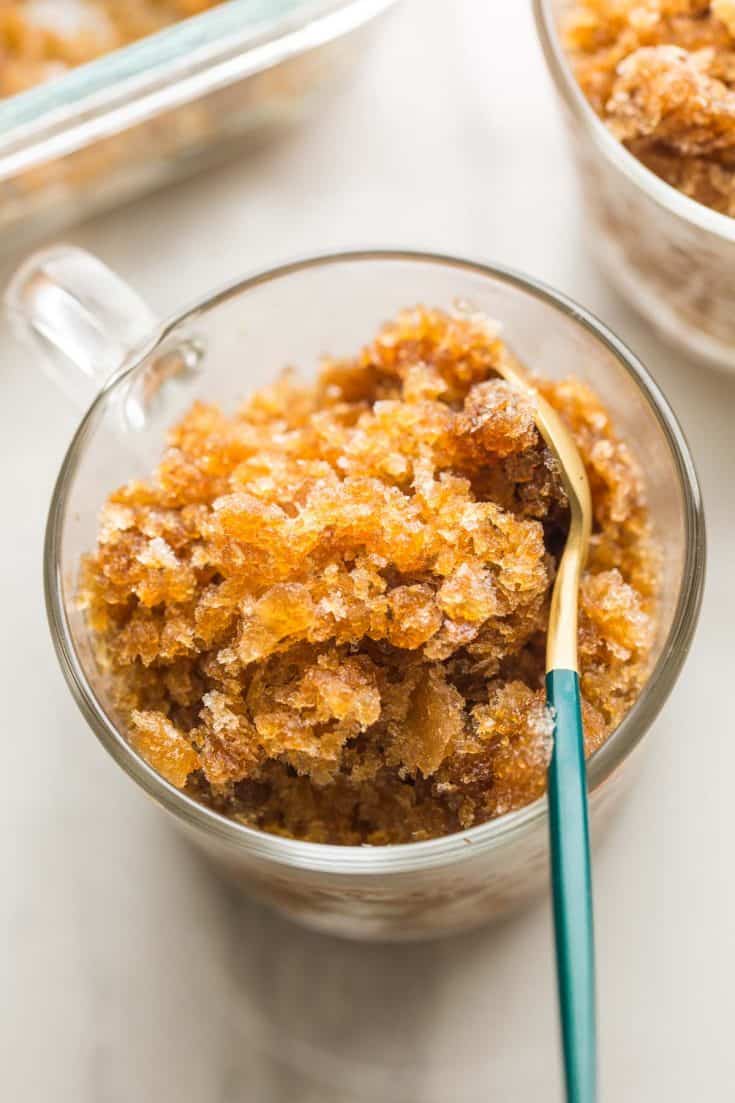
x: 665, y: 195
x: 403, y: 857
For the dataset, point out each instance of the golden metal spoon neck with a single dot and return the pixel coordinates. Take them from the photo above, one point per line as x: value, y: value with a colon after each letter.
x: 561, y: 638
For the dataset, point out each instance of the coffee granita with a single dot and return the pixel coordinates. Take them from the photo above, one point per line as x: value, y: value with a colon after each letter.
x: 42, y: 39
x: 324, y: 615
x: 661, y: 75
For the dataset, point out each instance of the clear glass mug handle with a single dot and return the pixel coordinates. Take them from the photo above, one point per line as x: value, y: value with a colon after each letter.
x: 84, y: 320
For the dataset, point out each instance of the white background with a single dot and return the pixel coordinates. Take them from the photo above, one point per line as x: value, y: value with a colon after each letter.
x: 128, y: 972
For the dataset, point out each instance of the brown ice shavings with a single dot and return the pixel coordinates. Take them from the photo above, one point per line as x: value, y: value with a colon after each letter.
x: 661, y: 75
x: 324, y: 614
x: 665, y: 95
x: 40, y: 40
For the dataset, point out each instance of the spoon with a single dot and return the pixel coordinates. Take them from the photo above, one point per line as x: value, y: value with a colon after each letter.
x: 567, y: 784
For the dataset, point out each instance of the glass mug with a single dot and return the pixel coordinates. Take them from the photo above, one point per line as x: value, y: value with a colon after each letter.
x: 670, y: 257
x: 99, y: 337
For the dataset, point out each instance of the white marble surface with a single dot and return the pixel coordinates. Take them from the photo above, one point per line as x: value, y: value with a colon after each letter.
x: 126, y: 971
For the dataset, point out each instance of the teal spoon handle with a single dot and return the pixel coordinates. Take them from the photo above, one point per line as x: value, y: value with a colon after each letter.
x: 572, y: 888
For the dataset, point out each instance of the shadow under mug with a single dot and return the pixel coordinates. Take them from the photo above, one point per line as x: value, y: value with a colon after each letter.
x: 103, y: 345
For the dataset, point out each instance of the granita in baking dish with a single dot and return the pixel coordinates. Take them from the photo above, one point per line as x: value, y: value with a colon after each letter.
x: 324, y: 613
x: 42, y: 39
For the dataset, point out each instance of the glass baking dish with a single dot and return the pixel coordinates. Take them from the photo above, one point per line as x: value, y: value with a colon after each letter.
x: 169, y: 105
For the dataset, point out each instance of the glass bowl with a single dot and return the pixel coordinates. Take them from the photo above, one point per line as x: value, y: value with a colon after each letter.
x: 670, y: 257
x: 90, y: 324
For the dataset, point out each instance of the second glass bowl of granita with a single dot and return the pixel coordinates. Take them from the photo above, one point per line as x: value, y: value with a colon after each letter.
x: 648, y: 90
x: 299, y: 560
